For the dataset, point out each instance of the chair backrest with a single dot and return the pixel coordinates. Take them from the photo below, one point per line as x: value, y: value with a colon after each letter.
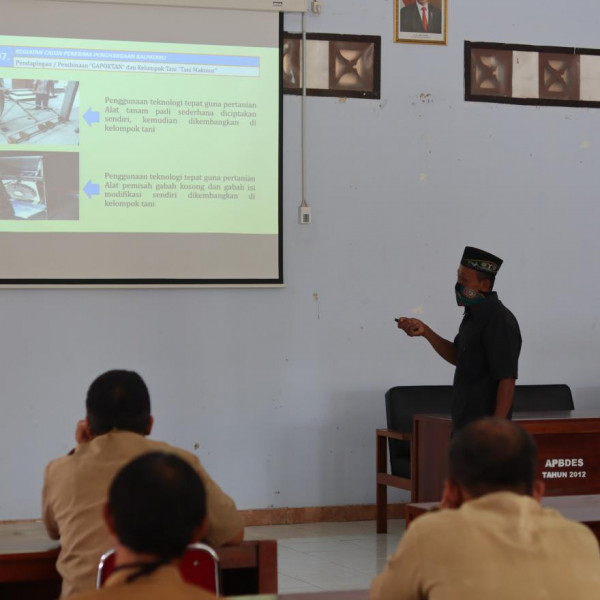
x: 199, y: 566
x: 105, y: 567
x: 404, y: 401
x: 401, y: 404
x: 533, y: 398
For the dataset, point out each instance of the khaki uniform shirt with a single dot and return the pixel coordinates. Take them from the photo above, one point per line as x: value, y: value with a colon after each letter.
x: 75, y: 492
x: 163, y: 584
x: 501, y: 546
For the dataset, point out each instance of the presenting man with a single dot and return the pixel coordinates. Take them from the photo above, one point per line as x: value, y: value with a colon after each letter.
x: 114, y: 432
x: 487, y: 347
x: 421, y: 17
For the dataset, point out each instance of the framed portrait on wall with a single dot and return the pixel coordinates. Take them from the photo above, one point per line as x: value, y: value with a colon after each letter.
x: 421, y: 21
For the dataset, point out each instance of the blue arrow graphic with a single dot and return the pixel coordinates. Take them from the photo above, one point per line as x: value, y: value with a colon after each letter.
x: 91, y: 189
x: 91, y: 116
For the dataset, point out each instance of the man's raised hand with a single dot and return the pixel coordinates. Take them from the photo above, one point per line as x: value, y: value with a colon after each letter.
x: 412, y: 327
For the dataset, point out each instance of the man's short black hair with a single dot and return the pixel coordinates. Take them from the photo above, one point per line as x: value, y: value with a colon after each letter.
x: 157, y: 503
x: 492, y: 455
x: 118, y: 399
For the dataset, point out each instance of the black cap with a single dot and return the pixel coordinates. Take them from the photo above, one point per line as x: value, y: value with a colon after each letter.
x: 481, y: 261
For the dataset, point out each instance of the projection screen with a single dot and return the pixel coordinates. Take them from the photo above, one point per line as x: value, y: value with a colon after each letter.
x: 139, y: 145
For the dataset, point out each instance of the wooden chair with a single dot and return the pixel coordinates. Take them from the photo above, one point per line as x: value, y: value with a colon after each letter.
x: 402, y: 403
x: 199, y: 566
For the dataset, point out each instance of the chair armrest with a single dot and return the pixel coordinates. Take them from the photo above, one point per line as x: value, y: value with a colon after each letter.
x: 395, y: 435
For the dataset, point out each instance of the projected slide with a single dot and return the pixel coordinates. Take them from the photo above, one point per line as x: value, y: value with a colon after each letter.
x: 129, y: 161
x: 170, y: 138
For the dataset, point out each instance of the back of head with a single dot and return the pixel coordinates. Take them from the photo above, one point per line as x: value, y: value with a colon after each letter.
x: 157, y: 503
x: 492, y: 455
x: 118, y: 399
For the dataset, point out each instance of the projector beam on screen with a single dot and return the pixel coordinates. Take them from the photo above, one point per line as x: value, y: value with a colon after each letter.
x: 272, y: 5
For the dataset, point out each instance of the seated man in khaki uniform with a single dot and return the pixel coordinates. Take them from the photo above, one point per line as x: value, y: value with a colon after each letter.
x: 495, y: 542
x: 156, y: 507
x: 75, y: 486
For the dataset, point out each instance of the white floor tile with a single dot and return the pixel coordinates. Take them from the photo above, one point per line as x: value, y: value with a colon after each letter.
x: 293, y: 564
x: 362, y: 563
x: 381, y: 544
x: 333, y: 577
x: 329, y: 556
x: 289, y: 584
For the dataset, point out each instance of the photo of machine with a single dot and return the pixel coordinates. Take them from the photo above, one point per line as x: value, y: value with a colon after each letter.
x: 32, y: 107
x: 22, y: 184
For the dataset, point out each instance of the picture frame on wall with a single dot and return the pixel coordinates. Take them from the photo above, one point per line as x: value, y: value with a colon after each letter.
x: 421, y: 21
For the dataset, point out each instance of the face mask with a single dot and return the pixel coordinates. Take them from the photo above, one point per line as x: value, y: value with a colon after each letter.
x: 467, y: 296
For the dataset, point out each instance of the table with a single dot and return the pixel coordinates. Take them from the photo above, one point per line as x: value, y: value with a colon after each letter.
x: 568, y: 452
x: 28, y: 571
x: 583, y: 509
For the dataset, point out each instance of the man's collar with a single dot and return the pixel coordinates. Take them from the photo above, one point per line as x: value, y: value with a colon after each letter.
x: 481, y: 308
x: 507, y: 500
x: 165, y: 574
x: 104, y: 439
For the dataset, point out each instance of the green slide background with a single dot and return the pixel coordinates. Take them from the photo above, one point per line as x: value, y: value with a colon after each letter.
x: 181, y: 149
